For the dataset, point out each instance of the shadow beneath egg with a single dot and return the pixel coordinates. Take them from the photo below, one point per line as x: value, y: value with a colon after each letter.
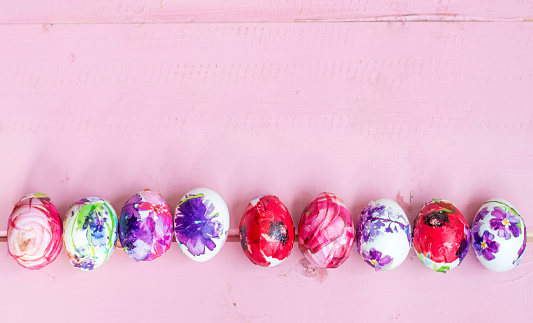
x: 306, y: 269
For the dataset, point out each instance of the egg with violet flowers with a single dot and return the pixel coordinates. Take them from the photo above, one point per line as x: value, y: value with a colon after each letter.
x: 383, y: 235
x: 499, y: 235
x: 91, y: 232
x: 145, y: 226
x: 201, y: 224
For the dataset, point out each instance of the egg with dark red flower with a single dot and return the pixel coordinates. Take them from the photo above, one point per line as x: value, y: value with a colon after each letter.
x: 201, y: 224
x: 498, y: 235
x: 441, y: 235
x: 266, y: 231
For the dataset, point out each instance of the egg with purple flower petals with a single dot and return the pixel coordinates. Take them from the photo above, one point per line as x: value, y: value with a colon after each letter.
x: 201, y: 224
x: 383, y: 236
x: 499, y: 235
x: 145, y: 226
x: 90, y: 233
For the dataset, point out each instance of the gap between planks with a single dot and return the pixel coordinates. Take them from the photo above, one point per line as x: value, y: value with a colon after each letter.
x: 230, y: 238
x: 371, y: 19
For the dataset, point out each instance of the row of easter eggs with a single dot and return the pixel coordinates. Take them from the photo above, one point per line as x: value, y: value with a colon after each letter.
x: 441, y: 236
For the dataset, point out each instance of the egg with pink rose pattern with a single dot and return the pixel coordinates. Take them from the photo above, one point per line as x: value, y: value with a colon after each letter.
x: 34, y: 231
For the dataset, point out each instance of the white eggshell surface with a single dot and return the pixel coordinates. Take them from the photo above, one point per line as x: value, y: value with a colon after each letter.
x: 383, y: 235
x: 498, y: 235
x: 90, y: 232
x: 201, y: 224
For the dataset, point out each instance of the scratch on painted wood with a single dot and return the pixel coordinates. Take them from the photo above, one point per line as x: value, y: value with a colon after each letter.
x: 414, y: 18
x: 190, y: 11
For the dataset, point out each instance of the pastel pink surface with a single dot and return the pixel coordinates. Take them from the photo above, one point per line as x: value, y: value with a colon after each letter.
x: 365, y: 110
x: 157, y: 11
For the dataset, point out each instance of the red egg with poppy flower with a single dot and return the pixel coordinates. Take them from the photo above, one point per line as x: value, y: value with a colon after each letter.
x: 266, y: 231
x: 441, y: 235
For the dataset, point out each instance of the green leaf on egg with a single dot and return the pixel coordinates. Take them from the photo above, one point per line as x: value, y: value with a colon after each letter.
x: 500, y: 202
x: 82, y: 215
x: 441, y: 269
x: 192, y: 196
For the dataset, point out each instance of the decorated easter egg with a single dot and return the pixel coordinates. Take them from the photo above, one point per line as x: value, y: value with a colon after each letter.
x: 266, y: 231
x: 34, y: 231
x: 326, y: 232
x: 91, y: 232
x: 383, y: 235
x: 201, y: 224
x: 441, y: 235
x: 499, y: 235
x: 145, y: 227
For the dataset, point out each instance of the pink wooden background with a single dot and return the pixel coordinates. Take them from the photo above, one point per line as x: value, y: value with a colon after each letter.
x: 402, y: 99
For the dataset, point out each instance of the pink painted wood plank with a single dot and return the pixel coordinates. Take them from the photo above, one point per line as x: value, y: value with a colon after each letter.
x: 141, y: 11
x: 229, y: 288
x: 365, y: 110
x: 220, y: 105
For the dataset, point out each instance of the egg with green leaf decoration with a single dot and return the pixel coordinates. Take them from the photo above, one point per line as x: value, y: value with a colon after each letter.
x: 498, y: 235
x: 90, y: 233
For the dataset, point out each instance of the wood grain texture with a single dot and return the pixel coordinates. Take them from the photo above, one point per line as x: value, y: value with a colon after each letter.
x: 430, y: 110
x: 408, y: 111
x: 230, y: 288
x: 172, y: 11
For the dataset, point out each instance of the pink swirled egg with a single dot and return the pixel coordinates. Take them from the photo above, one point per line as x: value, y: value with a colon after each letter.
x: 34, y: 233
x: 326, y: 231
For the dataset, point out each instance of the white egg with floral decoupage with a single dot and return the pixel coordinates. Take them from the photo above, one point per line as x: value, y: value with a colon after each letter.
x: 201, y: 224
x: 499, y: 235
x: 90, y: 233
x: 383, y: 236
